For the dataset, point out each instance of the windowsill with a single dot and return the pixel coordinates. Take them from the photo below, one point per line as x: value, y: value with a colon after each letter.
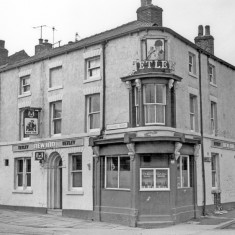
x: 192, y: 75
x: 94, y: 132
x: 24, y: 95
x: 215, y: 190
x: 118, y: 189
x: 79, y: 191
x: 25, y: 139
x: 154, y: 124
x: 214, y: 85
x: 154, y: 189
x: 92, y: 79
x: 23, y: 191
x: 55, y: 88
x: 56, y: 135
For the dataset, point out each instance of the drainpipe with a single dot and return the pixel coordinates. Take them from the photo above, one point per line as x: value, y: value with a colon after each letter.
x: 202, y: 137
x: 104, y: 88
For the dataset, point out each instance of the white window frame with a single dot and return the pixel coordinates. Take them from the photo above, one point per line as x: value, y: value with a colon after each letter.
x: 71, y: 187
x: 154, y: 180
x: 212, y: 75
x: 193, y: 112
x: 213, y: 117
x: 88, y: 118
x: 192, y: 64
x: 181, y: 173
x: 137, y: 106
x: 118, y: 188
x: 55, y: 119
x: 22, y: 85
x: 90, y: 69
x: 216, y: 171
x: 155, y: 104
x: 23, y: 173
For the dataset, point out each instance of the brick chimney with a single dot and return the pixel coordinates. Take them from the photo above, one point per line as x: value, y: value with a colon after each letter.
x: 42, y: 46
x: 3, y: 53
x: 206, y: 42
x: 149, y: 13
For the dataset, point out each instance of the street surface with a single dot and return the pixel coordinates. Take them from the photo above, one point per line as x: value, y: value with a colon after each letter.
x: 16, y: 222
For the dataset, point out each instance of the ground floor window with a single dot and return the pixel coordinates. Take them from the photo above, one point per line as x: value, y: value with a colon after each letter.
x: 75, y: 171
x: 184, y: 172
x: 215, y: 170
x: 117, y: 172
x: 154, y: 179
x: 23, y: 173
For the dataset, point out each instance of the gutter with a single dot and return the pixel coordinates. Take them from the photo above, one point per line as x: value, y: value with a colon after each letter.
x: 202, y: 136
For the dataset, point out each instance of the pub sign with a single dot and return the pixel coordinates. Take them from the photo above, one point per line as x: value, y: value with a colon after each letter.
x: 31, y: 122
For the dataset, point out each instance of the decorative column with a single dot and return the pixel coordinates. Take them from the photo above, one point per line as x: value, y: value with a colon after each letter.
x: 134, y: 184
x: 97, y: 183
x: 178, y: 146
x: 141, y: 113
x: 129, y: 87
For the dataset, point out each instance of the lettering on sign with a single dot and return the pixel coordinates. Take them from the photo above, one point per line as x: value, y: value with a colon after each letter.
x: 45, y: 145
x: 23, y: 147
x: 71, y: 142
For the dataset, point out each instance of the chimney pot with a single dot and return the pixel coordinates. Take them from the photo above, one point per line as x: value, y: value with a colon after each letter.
x: 200, y: 30
x: 46, y: 41
x: 207, y: 30
x: 40, y: 40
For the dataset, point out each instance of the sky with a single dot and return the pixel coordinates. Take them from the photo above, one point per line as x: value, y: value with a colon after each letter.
x: 19, y: 20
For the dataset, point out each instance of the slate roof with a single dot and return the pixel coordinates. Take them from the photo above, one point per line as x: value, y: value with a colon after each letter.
x: 117, y: 32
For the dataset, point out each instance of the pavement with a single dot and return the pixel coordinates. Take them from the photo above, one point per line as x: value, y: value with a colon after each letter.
x: 28, y: 223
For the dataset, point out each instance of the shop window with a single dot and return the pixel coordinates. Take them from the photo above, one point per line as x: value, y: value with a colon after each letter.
x: 93, y: 68
x: 192, y: 64
x: 93, y: 112
x: 215, y: 170
x: 56, y: 117
x: 213, y: 119
x: 55, y: 79
x: 75, y: 171
x: 117, y: 172
x: 211, y: 71
x: 154, y: 179
x: 184, y: 172
x: 23, y: 173
x: 25, y: 85
x: 193, y: 112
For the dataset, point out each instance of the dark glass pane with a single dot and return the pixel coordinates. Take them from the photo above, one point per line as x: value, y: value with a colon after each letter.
x: 77, y: 179
x: 28, y: 165
x: 94, y: 104
x: 57, y: 109
x: 28, y: 179
x: 149, y: 93
x: 124, y: 174
x: 112, y: 172
x: 150, y: 113
x: 192, y: 110
x: 147, y: 179
x: 95, y: 121
x: 160, y: 94
x: 20, y: 165
x: 20, y: 180
x: 57, y: 126
x: 77, y: 162
x: 160, y: 114
x: 178, y: 173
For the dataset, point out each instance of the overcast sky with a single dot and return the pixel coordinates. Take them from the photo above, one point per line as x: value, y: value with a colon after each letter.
x: 89, y: 17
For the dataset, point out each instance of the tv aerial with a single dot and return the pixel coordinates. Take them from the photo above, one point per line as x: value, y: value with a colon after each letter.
x: 40, y: 26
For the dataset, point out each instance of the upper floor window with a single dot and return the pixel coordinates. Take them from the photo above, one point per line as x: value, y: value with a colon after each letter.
x: 117, y: 172
x: 193, y: 112
x: 93, y: 112
x: 25, y: 85
x: 75, y: 171
x: 211, y: 71
x: 23, y: 173
x: 93, y: 68
x: 215, y: 170
x: 213, y: 118
x: 154, y: 103
x: 192, y: 64
x: 55, y: 79
x: 56, y: 117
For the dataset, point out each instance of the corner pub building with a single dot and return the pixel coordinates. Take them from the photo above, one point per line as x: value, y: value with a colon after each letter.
x: 134, y: 125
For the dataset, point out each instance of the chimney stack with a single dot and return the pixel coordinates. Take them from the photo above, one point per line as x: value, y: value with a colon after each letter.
x: 149, y: 13
x: 42, y: 46
x: 206, y: 42
x: 3, y: 53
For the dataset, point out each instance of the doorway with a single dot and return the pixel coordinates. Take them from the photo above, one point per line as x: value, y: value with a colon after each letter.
x: 55, y: 179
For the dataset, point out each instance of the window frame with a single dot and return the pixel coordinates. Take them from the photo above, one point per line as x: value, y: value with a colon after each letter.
x: 71, y: 171
x: 22, y: 85
x: 211, y: 74
x: 213, y: 117
x: 52, y: 119
x: 90, y: 69
x: 163, y: 104
x: 215, y: 171
x: 105, y: 172
x: 181, y: 186
x: 192, y: 64
x: 154, y: 188
x: 89, y: 114
x: 51, y: 87
x: 23, y: 173
x: 194, y: 113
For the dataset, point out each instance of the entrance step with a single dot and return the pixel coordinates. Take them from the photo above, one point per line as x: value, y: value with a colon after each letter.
x: 57, y: 212
x: 154, y: 224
